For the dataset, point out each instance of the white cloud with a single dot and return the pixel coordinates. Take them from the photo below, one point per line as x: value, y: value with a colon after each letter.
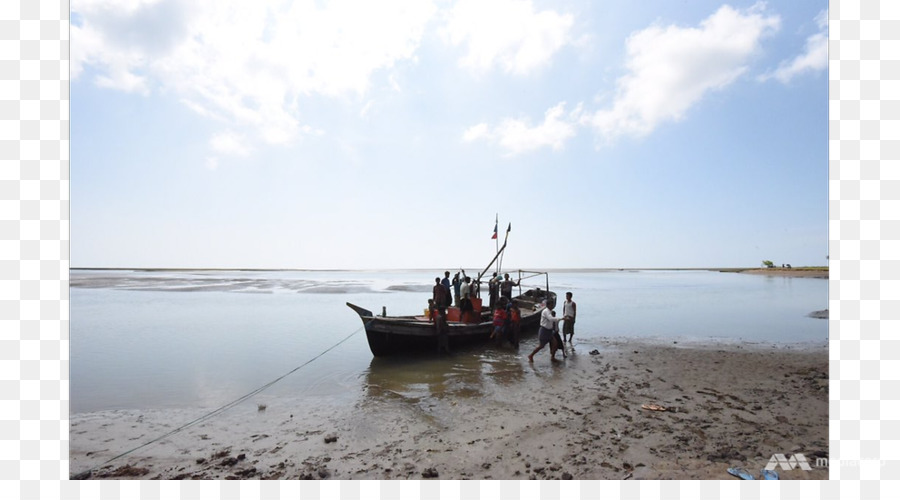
x: 671, y: 68
x: 121, y: 78
x: 517, y: 136
x: 366, y: 108
x: 86, y: 43
x: 229, y: 143
x: 506, y: 33
x: 814, y: 57
x: 476, y: 132
x: 249, y: 63
x: 316, y: 132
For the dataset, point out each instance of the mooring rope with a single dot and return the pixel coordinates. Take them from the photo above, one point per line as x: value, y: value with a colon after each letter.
x: 87, y: 473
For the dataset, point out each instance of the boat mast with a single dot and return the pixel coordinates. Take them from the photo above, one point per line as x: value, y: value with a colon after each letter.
x: 505, y: 238
x: 497, y: 240
x: 491, y: 263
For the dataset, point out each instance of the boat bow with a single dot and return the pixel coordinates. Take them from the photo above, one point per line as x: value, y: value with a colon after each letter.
x: 363, y: 313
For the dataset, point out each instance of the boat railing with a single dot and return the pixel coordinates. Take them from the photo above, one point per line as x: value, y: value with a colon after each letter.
x: 523, y: 274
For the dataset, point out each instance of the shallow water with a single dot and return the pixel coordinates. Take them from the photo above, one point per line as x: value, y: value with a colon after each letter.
x: 169, y: 339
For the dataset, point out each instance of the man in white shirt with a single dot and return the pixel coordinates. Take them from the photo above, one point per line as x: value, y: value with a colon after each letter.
x: 545, y: 333
x: 569, y: 312
x: 464, y: 287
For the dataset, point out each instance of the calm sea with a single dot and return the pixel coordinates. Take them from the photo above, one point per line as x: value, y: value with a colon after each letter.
x: 200, y: 339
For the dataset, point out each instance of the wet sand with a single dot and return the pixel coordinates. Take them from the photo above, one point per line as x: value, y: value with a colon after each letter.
x: 579, y: 418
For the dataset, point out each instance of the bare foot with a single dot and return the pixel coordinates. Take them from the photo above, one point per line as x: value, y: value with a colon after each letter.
x: 531, y: 359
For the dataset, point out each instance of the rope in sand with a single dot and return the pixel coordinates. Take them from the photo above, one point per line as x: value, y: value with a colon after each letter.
x: 87, y: 473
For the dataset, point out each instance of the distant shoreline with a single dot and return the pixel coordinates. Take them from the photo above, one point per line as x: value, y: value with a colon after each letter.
x: 798, y: 272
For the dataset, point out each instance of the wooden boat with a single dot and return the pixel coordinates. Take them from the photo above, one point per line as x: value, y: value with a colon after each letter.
x: 389, y: 335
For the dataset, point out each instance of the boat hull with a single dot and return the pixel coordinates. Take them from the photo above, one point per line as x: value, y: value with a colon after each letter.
x: 393, y: 335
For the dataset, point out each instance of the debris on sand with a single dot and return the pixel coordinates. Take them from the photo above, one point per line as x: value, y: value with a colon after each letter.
x: 232, y: 461
x: 126, y: 471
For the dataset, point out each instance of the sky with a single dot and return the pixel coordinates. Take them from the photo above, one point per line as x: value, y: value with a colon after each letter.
x: 393, y: 134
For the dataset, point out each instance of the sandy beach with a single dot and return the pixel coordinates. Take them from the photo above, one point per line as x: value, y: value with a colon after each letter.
x: 578, y: 418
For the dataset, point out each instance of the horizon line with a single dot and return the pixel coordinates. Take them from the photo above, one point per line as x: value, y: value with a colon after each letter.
x: 266, y: 269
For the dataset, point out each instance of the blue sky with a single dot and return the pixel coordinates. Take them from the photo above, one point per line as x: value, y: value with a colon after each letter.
x: 288, y: 134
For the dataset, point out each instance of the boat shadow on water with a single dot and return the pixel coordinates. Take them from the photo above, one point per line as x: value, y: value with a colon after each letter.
x: 468, y: 373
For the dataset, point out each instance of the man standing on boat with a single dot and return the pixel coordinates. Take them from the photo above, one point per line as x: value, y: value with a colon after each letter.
x: 446, y: 284
x: 464, y: 288
x: 545, y: 333
x: 494, y: 290
x: 569, y: 312
x: 466, y: 309
x: 506, y: 287
x: 440, y: 295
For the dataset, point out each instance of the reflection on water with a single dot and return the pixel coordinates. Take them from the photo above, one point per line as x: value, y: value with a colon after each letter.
x: 436, y: 391
x: 467, y: 374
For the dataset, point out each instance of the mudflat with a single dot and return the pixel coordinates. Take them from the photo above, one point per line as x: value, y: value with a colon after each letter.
x: 612, y: 409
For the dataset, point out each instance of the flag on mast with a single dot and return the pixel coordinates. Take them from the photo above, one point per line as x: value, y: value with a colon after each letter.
x: 494, y: 237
